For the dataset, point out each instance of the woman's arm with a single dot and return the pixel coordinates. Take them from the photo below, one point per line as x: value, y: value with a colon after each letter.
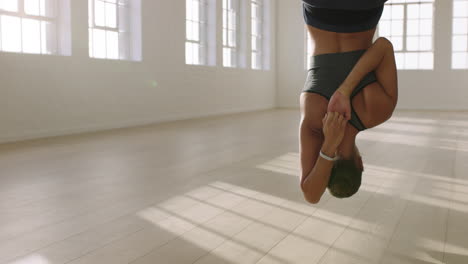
x: 379, y: 57
x: 315, y: 170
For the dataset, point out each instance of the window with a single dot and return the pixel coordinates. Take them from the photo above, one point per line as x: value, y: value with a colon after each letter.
x: 460, y: 35
x: 408, y: 24
x: 32, y: 26
x: 309, y: 49
x: 114, y: 29
x: 196, y: 27
x: 230, y: 32
x: 257, y: 33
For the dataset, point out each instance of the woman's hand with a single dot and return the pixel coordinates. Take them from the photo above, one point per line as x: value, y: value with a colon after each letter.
x: 340, y: 103
x: 334, y: 126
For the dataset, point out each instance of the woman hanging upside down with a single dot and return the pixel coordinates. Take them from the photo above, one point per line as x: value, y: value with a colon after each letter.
x: 351, y: 86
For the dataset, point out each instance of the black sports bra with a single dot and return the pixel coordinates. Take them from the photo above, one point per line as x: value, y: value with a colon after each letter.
x: 341, y: 20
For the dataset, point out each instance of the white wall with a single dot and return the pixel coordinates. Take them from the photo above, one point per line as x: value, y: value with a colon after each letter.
x: 55, y: 95
x: 438, y: 89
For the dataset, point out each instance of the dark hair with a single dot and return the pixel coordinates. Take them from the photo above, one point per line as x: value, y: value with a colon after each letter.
x: 345, y: 179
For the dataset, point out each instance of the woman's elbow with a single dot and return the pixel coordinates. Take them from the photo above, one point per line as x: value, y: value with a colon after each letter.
x: 310, y: 197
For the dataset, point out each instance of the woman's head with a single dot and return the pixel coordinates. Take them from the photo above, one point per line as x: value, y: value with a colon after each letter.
x: 345, y: 177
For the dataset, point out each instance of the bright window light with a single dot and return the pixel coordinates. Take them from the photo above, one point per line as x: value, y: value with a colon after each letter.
x: 230, y: 32
x: 29, y: 26
x: 309, y: 49
x: 460, y: 35
x: 257, y: 33
x: 113, y: 30
x: 196, y: 32
x: 408, y: 24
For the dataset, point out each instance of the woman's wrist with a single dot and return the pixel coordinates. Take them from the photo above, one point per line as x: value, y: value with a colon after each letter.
x: 345, y: 90
x: 328, y: 150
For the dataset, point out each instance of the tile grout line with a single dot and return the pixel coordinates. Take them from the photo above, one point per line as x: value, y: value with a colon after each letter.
x: 112, y: 220
x: 142, y: 229
x: 196, y: 226
x: 346, y: 228
x: 292, y: 231
x: 451, y: 202
x: 398, y: 223
x: 239, y: 233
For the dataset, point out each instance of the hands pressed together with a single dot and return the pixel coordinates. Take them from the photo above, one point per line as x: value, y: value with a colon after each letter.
x: 334, y: 122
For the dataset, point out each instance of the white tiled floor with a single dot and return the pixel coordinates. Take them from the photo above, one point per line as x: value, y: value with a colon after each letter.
x: 225, y: 190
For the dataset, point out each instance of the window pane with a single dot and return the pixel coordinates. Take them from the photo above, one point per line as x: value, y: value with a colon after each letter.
x: 232, y: 20
x: 397, y: 43
x: 31, y: 36
x: 400, y: 60
x: 411, y: 60
x: 31, y: 7
x: 232, y: 38
x: 397, y: 28
x: 386, y: 13
x: 196, y: 53
x: 384, y: 28
x: 460, y: 26
x: 412, y: 43
x: 112, y: 45
x: 257, y: 28
x: 111, y: 15
x: 9, y: 5
x: 413, y: 11
x: 425, y: 27
x: 188, y: 53
x: 188, y: 10
x: 225, y: 38
x: 47, y: 8
x: 196, y: 11
x: 99, y: 13
x: 426, y: 61
x: 425, y: 43
x: 188, y: 30
x: 256, y: 11
x: 426, y: 10
x: 460, y: 60
x: 11, y: 33
x: 397, y: 11
x: 227, y: 57
x: 412, y: 28
x: 225, y: 19
x: 48, y: 38
x: 255, y: 60
x: 460, y: 9
x: 459, y: 43
x: 196, y: 31
x: 254, y: 44
x: 99, y: 43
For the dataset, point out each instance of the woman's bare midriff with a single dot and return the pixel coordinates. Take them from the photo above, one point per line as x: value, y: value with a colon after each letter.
x: 331, y: 42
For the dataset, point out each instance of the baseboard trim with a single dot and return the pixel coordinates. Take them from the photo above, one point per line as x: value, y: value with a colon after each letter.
x: 43, y: 134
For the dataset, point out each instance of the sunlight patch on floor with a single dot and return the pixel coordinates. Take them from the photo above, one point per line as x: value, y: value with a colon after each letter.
x: 34, y: 259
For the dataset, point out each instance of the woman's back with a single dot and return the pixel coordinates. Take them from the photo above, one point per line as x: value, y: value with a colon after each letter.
x: 333, y: 42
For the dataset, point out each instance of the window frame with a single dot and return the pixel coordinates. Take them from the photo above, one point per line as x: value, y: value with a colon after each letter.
x: 404, y: 51
x: 453, y: 35
x: 122, y: 44
x: 202, y: 24
x: 235, y: 49
x: 21, y: 14
x: 259, y: 39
